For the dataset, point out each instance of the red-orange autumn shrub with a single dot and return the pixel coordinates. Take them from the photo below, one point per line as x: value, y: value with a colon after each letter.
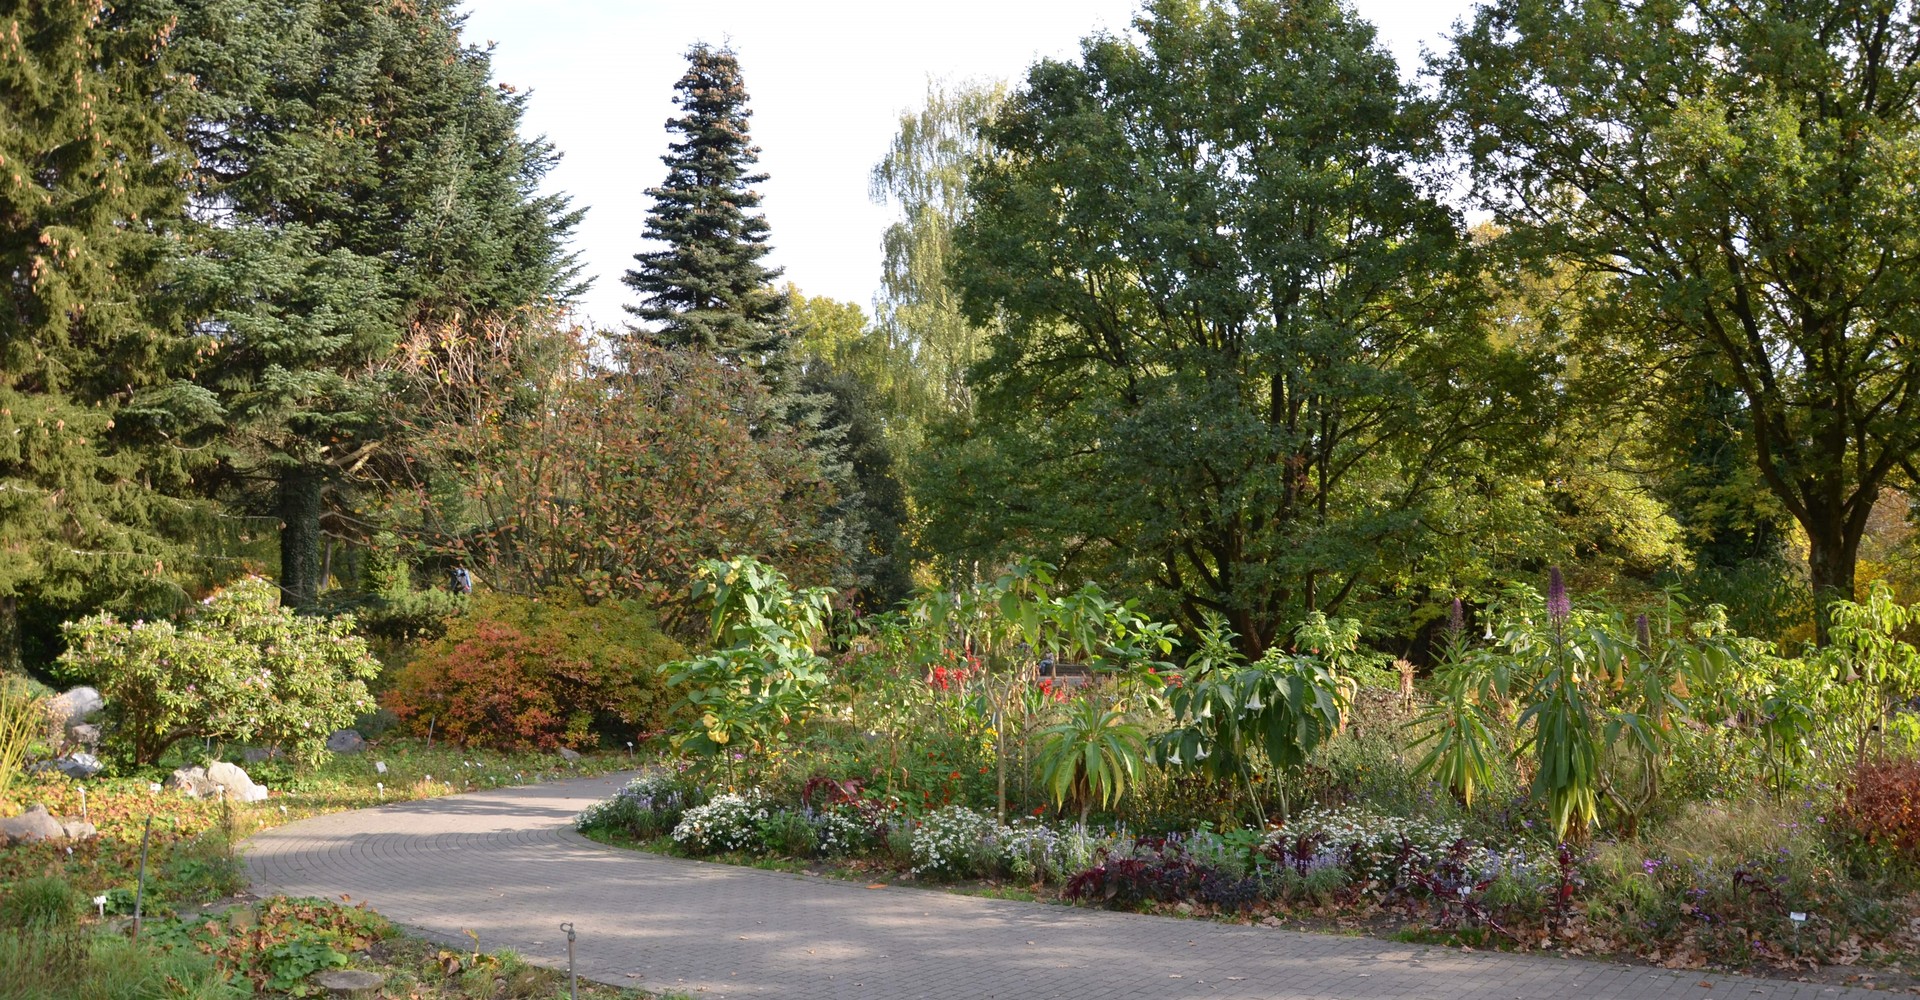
x: 1882, y: 804
x: 518, y: 673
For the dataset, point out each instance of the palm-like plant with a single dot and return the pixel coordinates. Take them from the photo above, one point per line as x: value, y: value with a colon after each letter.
x: 1092, y: 757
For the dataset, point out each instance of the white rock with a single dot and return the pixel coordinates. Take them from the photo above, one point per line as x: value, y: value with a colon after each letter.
x: 79, y: 765
x: 72, y: 707
x: 221, y: 778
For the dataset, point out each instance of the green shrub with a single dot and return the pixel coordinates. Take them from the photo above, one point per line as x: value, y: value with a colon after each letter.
x: 899, y: 844
x: 520, y: 673
x: 203, y: 870
x: 44, y: 902
x: 789, y: 834
x: 242, y: 668
x: 376, y: 724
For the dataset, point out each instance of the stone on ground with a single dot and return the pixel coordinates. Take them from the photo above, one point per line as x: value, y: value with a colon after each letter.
x: 79, y: 765
x: 350, y: 982
x: 38, y: 824
x: 221, y: 778
x: 346, y: 741
x: 73, y: 706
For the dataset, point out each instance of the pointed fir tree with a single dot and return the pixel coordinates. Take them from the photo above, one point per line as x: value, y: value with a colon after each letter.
x: 359, y: 172
x: 89, y: 165
x: 706, y: 288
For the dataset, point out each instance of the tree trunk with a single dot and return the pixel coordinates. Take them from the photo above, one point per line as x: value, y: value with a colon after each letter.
x: 300, y: 536
x: 1833, y: 552
x: 9, y: 635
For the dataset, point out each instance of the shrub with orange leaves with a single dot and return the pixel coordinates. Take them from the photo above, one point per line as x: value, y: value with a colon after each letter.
x: 520, y: 673
x: 1882, y: 804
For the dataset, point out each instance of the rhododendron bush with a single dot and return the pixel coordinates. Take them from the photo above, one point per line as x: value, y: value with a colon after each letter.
x: 242, y: 668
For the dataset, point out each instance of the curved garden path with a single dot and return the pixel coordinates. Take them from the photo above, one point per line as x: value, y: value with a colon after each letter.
x: 506, y: 865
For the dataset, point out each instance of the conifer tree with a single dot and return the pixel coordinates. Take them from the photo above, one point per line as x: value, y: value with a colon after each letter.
x: 706, y: 288
x: 88, y: 172
x: 358, y: 171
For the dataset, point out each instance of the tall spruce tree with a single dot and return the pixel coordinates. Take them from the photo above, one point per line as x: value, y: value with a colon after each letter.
x: 88, y: 190
x: 358, y: 172
x: 706, y: 288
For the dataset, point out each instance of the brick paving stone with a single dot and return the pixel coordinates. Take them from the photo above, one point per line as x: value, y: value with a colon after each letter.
x: 507, y: 865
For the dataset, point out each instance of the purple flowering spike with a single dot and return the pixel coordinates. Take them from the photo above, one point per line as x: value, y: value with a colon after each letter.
x: 1559, y: 605
x: 1643, y: 632
x: 1457, y: 622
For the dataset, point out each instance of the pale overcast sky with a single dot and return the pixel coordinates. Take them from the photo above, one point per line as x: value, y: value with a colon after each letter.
x: 828, y: 82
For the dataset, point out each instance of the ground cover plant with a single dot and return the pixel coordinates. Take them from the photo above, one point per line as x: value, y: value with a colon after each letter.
x: 263, y: 948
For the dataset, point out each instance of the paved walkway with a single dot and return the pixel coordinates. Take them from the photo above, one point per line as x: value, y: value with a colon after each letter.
x: 507, y: 865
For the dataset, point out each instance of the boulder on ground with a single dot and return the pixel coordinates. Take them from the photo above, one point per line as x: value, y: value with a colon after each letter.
x: 568, y: 755
x: 73, y: 706
x: 34, y: 824
x: 85, y: 734
x: 221, y: 778
x: 79, y: 765
x: 346, y: 741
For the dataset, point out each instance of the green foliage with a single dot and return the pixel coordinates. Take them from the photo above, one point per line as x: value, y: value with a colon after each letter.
x: 707, y: 288
x: 1242, y: 351
x: 85, y: 966
x: 1734, y: 176
x: 204, y: 869
x: 520, y: 673
x: 41, y: 903
x: 925, y: 176
x: 1091, y: 758
x: 89, y: 419
x: 872, y: 505
x: 763, y: 676
x: 370, y: 175
x: 1874, y: 667
x: 789, y: 834
x: 242, y: 668
x: 1226, y: 708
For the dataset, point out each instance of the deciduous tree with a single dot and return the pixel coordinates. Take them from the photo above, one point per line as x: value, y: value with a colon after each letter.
x: 1743, y: 176
x: 1241, y: 354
